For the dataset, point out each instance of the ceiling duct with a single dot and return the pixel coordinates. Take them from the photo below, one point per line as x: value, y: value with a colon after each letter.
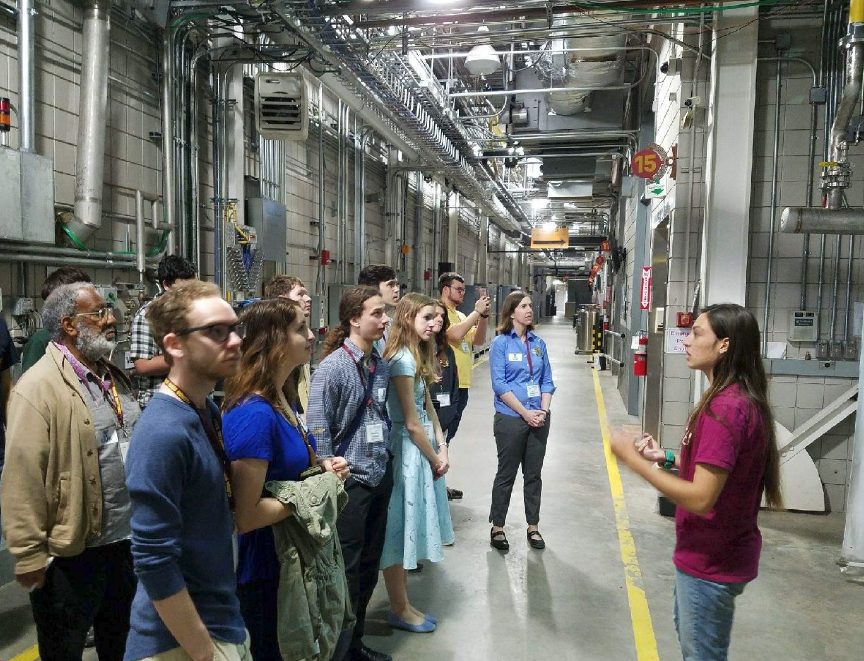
x: 590, y: 66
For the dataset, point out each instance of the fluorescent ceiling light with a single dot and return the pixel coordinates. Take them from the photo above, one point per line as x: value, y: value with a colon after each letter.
x: 540, y: 203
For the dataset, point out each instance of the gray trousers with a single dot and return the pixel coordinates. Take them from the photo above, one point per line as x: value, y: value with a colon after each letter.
x: 518, y: 444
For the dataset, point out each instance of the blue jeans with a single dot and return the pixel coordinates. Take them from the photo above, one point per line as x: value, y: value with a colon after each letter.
x: 703, y: 616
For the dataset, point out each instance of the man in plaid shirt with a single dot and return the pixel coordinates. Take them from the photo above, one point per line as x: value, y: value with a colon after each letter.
x: 150, y: 365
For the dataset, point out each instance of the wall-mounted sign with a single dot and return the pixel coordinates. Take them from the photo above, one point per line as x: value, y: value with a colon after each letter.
x: 675, y: 339
x: 649, y: 163
x: 645, y: 291
x: 559, y: 238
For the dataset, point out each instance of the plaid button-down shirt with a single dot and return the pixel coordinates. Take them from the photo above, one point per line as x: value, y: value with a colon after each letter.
x: 142, y: 345
x: 334, y: 399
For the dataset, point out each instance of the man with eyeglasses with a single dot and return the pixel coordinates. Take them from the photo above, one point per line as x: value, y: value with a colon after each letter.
x: 150, y: 365
x: 463, y: 333
x: 179, y: 480
x: 66, y: 508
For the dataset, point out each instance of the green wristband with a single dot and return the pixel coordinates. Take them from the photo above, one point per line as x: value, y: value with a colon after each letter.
x: 670, y: 460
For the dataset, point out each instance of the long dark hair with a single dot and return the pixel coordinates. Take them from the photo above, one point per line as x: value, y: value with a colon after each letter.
x: 505, y: 322
x: 267, y: 323
x: 350, y: 307
x: 441, y: 341
x: 741, y: 365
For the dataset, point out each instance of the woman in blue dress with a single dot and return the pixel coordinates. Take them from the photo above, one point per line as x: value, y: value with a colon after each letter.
x: 265, y: 439
x: 418, y: 519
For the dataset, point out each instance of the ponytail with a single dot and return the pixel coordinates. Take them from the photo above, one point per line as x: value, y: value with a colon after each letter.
x: 334, y: 340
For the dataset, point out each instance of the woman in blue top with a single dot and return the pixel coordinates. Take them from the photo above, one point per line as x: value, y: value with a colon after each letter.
x: 418, y: 518
x: 522, y: 382
x: 266, y: 440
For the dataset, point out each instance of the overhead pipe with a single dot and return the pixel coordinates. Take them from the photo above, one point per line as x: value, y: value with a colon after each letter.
x: 92, y: 123
x: 26, y: 76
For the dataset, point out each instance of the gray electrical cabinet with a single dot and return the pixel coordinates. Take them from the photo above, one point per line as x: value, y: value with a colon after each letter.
x: 28, y: 198
x: 270, y: 220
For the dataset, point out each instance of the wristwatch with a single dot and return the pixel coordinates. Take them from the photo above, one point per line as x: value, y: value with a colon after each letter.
x: 485, y: 316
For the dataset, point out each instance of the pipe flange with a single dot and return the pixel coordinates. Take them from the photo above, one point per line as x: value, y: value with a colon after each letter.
x: 854, y: 36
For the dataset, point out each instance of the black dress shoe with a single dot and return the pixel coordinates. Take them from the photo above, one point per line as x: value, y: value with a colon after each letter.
x: 498, y: 540
x: 367, y: 654
x: 535, y: 539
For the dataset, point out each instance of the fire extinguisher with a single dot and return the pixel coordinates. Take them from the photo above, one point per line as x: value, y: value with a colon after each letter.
x: 640, y: 356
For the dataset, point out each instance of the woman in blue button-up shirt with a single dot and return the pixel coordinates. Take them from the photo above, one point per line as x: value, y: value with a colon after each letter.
x: 522, y: 381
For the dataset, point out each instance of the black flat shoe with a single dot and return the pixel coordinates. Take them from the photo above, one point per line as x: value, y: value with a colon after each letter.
x: 367, y: 654
x: 454, y: 494
x: 535, y: 539
x: 498, y: 540
x: 417, y: 569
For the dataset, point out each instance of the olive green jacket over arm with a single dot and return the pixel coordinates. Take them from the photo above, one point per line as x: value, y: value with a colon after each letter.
x: 313, y: 600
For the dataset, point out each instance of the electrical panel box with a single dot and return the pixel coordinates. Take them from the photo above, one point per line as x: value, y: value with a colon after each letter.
x: 27, y: 198
x: 22, y: 307
x: 270, y: 220
x: 282, y: 105
x: 803, y: 326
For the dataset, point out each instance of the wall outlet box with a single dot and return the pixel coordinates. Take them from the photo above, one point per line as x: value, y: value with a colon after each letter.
x: 803, y: 326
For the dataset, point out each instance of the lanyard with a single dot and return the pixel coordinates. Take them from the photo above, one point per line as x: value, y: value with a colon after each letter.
x: 213, y: 430
x: 294, y: 421
x: 116, y: 404
x: 528, y: 353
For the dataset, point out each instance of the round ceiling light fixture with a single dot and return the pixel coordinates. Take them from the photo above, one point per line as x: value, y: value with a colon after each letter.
x: 483, y: 59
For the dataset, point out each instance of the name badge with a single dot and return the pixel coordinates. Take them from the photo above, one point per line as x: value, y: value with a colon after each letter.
x: 465, y: 348
x: 430, y: 431
x: 514, y: 357
x: 375, y: 433
x: 382, y: 394
x: 444, y: 398
x: 123, y: 445
x: 533, y: 390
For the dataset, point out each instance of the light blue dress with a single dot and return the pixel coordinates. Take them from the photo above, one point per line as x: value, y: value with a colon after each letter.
x: 418, y: 520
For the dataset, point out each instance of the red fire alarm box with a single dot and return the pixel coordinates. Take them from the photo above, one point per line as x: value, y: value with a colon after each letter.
x: 685, y: 320
x: 325, y: 257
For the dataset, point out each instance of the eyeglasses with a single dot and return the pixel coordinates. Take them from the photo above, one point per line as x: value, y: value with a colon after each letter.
x: 219, y: 333
x: 458, y: 290
x: 103, y: 313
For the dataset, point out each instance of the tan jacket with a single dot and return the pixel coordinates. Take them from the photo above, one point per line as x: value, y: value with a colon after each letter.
x: 51, y: 492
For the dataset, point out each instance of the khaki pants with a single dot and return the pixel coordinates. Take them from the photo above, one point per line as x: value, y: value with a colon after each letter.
x: 224, y: 652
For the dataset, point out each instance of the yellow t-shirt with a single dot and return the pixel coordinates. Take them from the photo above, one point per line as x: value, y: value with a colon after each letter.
x: 464, y: 350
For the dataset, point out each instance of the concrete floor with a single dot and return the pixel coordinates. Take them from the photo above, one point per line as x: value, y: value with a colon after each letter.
x: 569, y: 602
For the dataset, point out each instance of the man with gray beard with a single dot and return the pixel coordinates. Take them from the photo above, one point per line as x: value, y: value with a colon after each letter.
x: 66, y: 509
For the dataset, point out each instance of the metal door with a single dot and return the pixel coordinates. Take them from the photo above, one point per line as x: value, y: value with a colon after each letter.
x: 653, y: 392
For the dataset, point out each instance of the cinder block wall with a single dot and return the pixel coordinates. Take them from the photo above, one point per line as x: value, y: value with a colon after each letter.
x: 133, y: 161
x: 796, y: 399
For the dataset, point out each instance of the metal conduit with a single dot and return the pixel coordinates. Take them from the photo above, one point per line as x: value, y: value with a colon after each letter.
x: 26, y: 77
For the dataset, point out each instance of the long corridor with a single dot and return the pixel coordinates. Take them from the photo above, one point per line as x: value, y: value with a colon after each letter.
x: 570, y: 602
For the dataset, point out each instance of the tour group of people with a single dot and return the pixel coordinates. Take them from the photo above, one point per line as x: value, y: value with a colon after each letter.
x: 256, y: 528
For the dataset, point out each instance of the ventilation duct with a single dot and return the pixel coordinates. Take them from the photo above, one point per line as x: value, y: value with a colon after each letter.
x: 282, y: 106
x: 595, y: 66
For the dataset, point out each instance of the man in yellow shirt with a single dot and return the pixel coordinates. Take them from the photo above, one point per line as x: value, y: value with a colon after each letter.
x: 463, y: 333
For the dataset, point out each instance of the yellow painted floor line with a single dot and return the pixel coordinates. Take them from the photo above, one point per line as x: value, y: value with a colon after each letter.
x: 27, y: 655
x: 640, y: 616
x: 481, y: 361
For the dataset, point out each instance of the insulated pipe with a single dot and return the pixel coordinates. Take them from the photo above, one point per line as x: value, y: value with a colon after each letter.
x: 140, y: 246
x: 168, y: 128
x: 813, y: 220
x: 418, y: 231
x: 838, y: 146
x: 92, y: 124
x: 774, y: 180
x: 846, y: 329
x: 321, y: 219
x: 90, y: 263
x: 26, y: 76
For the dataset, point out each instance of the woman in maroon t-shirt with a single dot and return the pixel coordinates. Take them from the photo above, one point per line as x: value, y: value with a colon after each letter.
x: 728, y: 458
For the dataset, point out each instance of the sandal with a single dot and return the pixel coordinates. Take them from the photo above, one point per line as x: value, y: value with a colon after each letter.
x: 535, y: 539
x: 498, y: 540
